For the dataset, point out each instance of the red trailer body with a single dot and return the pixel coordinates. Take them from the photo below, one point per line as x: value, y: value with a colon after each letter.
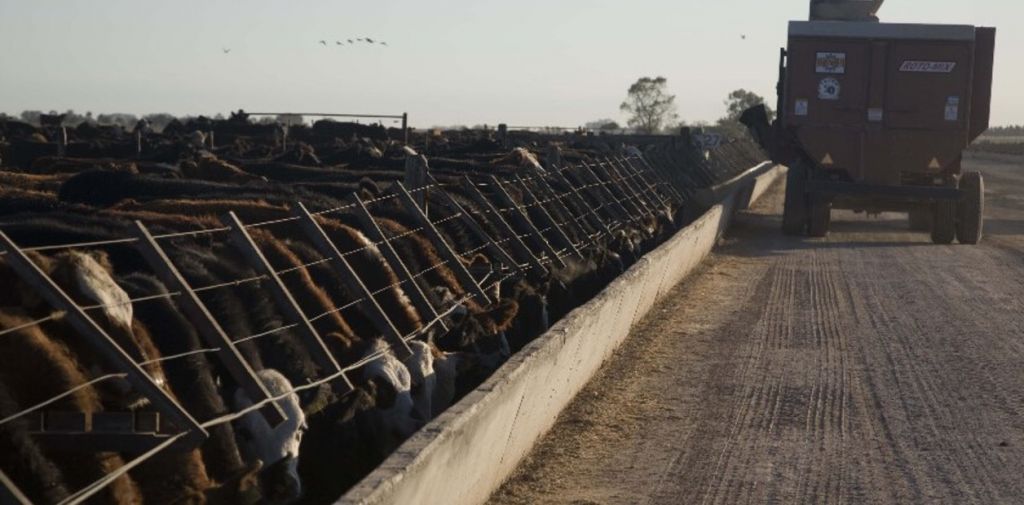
x: 878, y: 114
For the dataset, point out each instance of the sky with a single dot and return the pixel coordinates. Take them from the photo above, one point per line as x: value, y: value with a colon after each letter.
x: 449, y: 62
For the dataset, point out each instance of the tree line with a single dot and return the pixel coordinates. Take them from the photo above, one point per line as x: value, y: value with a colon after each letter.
x: 156, y: 121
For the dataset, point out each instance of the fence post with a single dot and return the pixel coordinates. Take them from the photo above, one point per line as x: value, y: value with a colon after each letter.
x: 630, y: 187
x: 524, y: 222
x: 655, y: 175
x: 503, y: 135
x: 416, y: 171
x: 62, y: 142
x: 210, y: 137
x: 658, y: 198
x: 206, y: 324
x: 616, y: 203
x: 376, y: 234
x: 497, y: 251
x: 518, y: 246
x: 318, y: 351
x: 405, y: 128
x: 99, y: 339
x: 9, y: 492
x: 620, y: 190
x: 355, y: 285
x: 443, y: 248
x: 545, y: 189
x: 561, y: 237
x: 595, y: 218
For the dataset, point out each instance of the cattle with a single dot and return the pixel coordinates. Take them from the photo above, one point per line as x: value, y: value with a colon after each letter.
x: 329, y: 441
x: 275, y: 446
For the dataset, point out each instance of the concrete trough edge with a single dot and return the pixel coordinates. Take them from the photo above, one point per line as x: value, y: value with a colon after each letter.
x: 465, y: 454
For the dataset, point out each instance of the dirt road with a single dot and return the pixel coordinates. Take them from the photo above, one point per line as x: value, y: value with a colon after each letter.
x: 869, y: 367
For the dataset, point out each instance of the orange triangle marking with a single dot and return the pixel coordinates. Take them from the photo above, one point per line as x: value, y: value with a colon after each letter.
x: 827, y: 160
x: 935, y: 164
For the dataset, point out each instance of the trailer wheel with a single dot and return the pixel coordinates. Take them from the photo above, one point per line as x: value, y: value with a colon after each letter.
x: 794, y: 211
x: 820, y: 219
x: 944, y: 222
x: 920, y: 220
x: 971, y: 209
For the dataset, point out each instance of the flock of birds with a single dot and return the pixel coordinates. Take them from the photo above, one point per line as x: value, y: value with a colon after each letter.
x: 351, y: 42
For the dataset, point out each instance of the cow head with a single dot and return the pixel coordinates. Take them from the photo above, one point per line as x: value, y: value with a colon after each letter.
x: 276, y: 448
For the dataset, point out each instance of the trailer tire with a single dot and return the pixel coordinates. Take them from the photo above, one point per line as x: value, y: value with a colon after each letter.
x: 794, y: 210
x: 944, y: 222
x: 970, y: 221
x: 920, y: 220
x: 820, y: 218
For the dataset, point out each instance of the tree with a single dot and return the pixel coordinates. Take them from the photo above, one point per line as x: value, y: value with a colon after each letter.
x: 602, y: 125
x: 649, y: 105
x: 741, y: 100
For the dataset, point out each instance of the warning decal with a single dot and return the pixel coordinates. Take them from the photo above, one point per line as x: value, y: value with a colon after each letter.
x: 830, y: 63
x: 928, y: 67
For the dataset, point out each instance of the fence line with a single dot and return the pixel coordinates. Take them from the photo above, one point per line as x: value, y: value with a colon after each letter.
x: 591, y: 182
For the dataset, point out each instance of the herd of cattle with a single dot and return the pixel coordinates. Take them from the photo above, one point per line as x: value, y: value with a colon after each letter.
x: 540, y: 225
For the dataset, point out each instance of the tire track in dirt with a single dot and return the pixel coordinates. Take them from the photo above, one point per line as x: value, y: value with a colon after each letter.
x: 870, y: 367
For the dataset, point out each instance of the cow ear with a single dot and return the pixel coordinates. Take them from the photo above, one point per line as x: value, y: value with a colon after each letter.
x: 243, y: 487
x: 386, y: 393
x: 503, y: 313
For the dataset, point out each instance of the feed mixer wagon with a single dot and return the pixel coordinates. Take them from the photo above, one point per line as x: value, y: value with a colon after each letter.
x: 875, y: 116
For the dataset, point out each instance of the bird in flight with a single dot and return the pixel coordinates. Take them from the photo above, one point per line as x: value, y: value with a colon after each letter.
x: 744, y: 37
x: 338, y: 43
x: 350, y: 41
x: 360, y: 40
x: 226, y: 51
x: 369, y: 40
x: 383, y: 43
x: 323, y: 42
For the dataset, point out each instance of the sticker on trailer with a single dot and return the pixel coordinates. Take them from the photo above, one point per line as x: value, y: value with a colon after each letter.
x: 928, y: 67
x: 829, y: 89
x: 875, y: 115
x: 953, y: 108
x: 830, y: 63
x: 801, y: 107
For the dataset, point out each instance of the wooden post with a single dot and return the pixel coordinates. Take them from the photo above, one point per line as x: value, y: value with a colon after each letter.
x: 443, y: 248
x: 524, y: 222
x: 9, y: 492
x: 200, y: 317
x: 318, y: 351
x: 353, y: 283
x: 497, y: 252
x: 98, y: 338
x: 561, y: 237
x: 405, y: 128
x: 416, y: 171
x: 138, y: 142
x: 210, y: 137
x: 376, y: 234
x: 62, y: 142
x: 503, y: 135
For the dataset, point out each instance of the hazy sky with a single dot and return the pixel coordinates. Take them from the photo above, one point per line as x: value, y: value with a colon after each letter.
x: 522, y: 62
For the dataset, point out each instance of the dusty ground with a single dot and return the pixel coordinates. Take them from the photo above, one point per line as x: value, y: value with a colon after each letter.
x: 869, y: 367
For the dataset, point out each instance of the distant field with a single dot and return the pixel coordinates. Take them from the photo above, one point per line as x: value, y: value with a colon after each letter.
x: 1001, y: 139
x: 999, y: 144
